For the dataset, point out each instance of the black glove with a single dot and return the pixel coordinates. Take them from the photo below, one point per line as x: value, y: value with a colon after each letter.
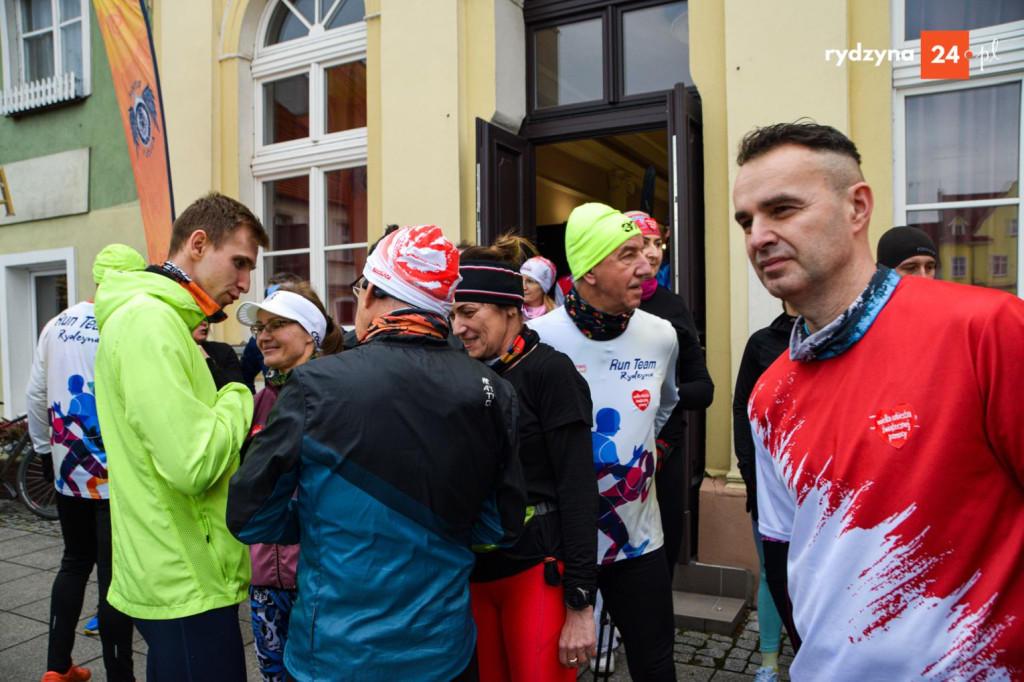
x: 47, y: 463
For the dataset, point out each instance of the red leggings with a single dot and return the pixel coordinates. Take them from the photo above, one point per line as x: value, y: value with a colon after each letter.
x: 518, y: 622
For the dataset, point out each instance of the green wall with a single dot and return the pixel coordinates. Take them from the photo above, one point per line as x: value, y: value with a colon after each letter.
x: 93, y: 122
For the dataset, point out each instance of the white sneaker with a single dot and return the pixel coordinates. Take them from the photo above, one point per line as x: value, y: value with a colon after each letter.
x: 605, y: 664
x: 766, y: 674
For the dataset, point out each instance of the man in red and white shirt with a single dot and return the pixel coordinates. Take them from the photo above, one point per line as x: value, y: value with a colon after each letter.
x: 890, y: 439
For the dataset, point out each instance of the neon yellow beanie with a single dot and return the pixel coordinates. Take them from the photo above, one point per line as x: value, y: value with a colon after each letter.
x: 116, y: 257
x: 593, y: 232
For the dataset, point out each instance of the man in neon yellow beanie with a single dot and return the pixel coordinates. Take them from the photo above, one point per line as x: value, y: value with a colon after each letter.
x: 628, y: 359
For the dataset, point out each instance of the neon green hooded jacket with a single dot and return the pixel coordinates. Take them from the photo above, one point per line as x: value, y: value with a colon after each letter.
x: 172, y: 443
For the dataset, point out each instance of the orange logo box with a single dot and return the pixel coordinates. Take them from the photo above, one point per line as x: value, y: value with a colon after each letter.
x: 946, y: 54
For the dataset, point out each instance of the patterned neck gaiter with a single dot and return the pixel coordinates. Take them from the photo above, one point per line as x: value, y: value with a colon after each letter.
x: 593, y: 323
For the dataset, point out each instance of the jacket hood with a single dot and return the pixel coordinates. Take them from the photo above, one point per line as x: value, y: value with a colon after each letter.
x: 119, y: 288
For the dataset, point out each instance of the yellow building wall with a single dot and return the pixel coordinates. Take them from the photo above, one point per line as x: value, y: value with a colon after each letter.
x: 757, y: 63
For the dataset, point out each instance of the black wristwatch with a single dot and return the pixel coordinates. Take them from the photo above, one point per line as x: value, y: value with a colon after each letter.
x: 577, y: 598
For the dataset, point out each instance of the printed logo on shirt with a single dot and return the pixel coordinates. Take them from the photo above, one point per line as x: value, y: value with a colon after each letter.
x: 894, y: 425
x: 642, y: 399
x: 488, y: 392
x: 582, y: 369
x: 635, y: 369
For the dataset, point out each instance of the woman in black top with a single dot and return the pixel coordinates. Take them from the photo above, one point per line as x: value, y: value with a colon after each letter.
x: 532, y: 602
x: 695, y: 393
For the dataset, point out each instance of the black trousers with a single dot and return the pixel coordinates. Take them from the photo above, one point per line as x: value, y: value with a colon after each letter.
x: 672, y: 497
x: 85, y: 526
x: 206, y: 647
x: 638, y: 595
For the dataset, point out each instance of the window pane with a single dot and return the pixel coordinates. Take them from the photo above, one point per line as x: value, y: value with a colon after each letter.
x: 350, y: 12
x: 35, y: 14
x: 285, y: 25
x: 958, y: 15
x: 963, y: 145
x: 70, y: 9
x: 569, y: 63
x: 286, y: 109
x: 286, y: 213
x: 71, y: 48
x: 977, y: 245
x: 51, y: 292
x: 656, y: 48
x: 343, y: 266
x: 346, y: 96
x: 39, y: 57
x: 346, y: 206
x: 296, y: 264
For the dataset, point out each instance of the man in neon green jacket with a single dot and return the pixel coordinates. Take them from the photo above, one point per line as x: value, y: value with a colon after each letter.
x: 172, y: 441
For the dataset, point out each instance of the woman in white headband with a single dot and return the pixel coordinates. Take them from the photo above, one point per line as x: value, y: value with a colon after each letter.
x: 291, y: 327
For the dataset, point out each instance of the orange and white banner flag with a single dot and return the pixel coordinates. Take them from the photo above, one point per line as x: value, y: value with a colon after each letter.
x: 126, y: 34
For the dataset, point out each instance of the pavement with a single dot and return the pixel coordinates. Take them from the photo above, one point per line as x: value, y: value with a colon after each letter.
x: 30, y: 552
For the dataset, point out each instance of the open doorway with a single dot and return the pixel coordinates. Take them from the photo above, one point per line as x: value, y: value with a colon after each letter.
x: 610, y: 170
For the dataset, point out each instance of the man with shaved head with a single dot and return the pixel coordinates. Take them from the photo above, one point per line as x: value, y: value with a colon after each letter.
x: 890, y: 443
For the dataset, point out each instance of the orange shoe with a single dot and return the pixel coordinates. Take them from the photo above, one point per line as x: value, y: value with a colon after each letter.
x: 74, y: 674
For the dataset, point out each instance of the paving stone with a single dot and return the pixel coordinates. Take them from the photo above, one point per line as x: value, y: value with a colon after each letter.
x: 8, y: 533
x: 713, y: 652
x: 9, y: 571
x: 752, y: 669
x: 691, y: 673
x: 15, y: 629
x: 729, y: 676
x: 14, y: 549
x: 747, y: 644
x: 785, y: 660
x: 736, y: 665
x: 47, y: 559
x: 721, y: 638
x: 705, y: 661
x: 25, y: 590
x: 742, y: 654
x: 693, y: 638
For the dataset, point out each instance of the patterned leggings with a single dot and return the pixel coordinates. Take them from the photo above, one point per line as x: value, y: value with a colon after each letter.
x: 271, y: 610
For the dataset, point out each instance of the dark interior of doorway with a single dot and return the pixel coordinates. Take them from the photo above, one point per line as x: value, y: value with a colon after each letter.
x: 606, y: 169
x: 610, y: 169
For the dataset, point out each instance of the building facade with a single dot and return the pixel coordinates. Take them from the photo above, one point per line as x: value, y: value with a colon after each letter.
x: 333, y: 118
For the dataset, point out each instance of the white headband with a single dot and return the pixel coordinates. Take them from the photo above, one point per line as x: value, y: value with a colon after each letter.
x: 291, y: 306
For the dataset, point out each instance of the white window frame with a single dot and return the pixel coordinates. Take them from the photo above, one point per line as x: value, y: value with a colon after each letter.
x: 315, y: 155
x: 907, y: 82
x: 18, y: 95
x: 19, y: 338
x: 958, y: 272
x: 999, y: 265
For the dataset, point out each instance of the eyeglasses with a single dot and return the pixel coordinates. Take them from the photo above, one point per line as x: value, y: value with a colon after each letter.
x: 357, y: 286
x: 273, y: 326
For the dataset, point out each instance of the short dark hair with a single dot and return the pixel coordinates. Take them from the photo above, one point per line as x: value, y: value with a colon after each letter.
x: 284, y: 277
x: 219, y: 217
x: 760, y: 141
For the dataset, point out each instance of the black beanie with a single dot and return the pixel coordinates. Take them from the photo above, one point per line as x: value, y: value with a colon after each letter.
x: 901, y: 243
x: 489, y: 282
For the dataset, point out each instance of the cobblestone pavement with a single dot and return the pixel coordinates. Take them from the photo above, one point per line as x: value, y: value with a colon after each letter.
x: 30, y: 550
x: 704, y: 657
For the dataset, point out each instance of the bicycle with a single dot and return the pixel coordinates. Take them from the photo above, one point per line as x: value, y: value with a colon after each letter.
x: 34, y: 478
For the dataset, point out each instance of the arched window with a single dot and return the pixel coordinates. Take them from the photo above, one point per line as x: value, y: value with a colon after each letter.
x: 309, y: 158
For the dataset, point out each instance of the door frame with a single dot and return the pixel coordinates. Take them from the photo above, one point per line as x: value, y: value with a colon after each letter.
x: 18, y: 338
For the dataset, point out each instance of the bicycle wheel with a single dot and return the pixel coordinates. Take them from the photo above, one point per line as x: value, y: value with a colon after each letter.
x: 37, y: 494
